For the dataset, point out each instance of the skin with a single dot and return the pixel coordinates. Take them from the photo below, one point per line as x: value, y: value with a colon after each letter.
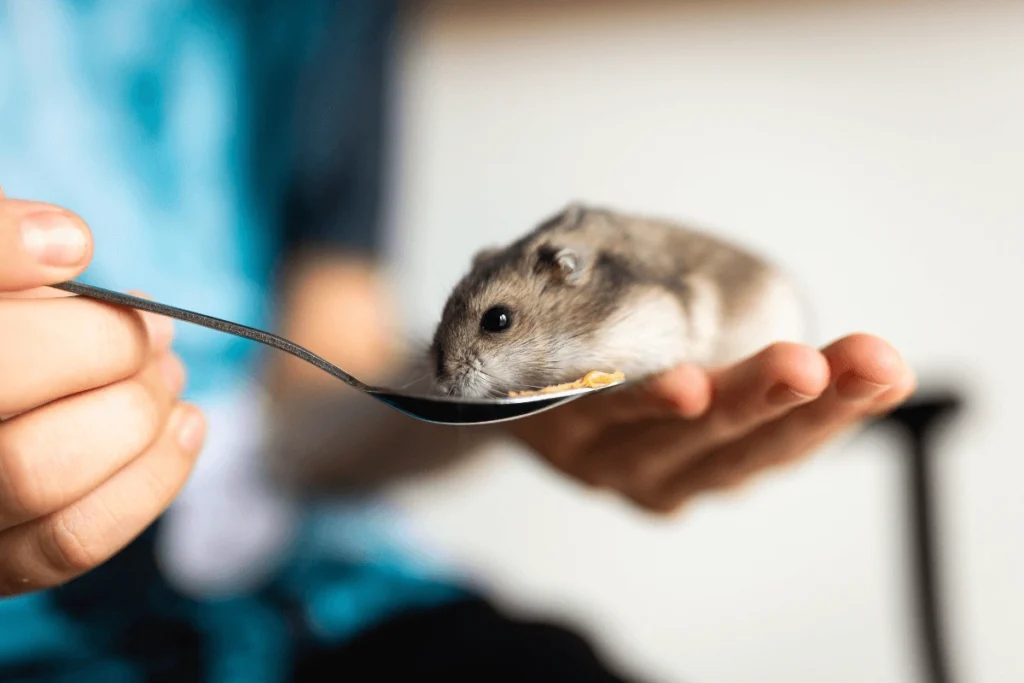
x: 689, y: 432
x: 96, y: 386
x: 95, y: 443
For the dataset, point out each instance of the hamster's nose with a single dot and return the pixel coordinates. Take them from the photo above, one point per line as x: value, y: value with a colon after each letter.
x: 444, y: 385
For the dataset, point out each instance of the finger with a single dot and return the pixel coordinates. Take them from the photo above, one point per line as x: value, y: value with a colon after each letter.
x: 760, y: 389
x: 56, y: 548
x: 68, y: 345
x: 40, y: 244
x: 36, y: 293
x: 746, y: 395
x: 560, y: 433
x: 682, y: 391
x: 895, y: 396
x: 54, y: 455
x: 866, y: 371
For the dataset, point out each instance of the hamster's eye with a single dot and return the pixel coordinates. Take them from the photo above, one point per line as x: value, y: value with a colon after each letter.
x: 497, y: 319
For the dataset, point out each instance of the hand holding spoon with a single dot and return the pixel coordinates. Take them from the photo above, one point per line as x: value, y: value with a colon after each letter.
x: 437, y: 409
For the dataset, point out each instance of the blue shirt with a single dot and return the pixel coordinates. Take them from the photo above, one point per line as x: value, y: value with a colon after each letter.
x: 202, y: 141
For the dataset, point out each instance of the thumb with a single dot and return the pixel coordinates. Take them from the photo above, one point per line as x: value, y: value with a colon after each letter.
x: 40, y: 244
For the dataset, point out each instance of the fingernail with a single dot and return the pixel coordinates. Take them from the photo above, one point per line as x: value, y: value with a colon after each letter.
x: 53, y: 238
x: 784, y: 395
x: 173, y: 372
x: 851, y: 387
x: 191, y: 431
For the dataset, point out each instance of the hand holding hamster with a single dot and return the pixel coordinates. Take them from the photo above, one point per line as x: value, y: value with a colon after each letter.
x: 725, y: 396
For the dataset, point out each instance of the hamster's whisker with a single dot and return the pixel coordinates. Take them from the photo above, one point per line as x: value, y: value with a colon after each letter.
x: 502, y: 386
x: 418, y: 378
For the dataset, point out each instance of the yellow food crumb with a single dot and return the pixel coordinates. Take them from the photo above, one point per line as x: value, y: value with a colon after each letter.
x: 594, y: 379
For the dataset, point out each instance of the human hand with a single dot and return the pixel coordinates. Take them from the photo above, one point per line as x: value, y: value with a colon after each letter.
x: 688, y: 431
x: 94, y: 443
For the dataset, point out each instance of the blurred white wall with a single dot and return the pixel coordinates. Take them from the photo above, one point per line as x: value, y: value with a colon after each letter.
x: 877, y: 150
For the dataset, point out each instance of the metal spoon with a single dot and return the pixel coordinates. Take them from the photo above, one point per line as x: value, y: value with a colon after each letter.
x: 437, y: 409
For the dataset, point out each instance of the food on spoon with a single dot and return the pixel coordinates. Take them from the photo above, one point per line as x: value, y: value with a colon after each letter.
x: 594, y: 379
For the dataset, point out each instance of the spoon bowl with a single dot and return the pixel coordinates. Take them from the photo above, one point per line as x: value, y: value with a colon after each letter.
x: 446, y: 410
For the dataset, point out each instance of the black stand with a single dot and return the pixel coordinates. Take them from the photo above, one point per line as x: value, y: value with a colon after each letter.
x: 918, y: 420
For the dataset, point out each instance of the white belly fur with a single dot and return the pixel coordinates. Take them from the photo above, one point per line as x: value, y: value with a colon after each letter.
x: 651, y: 332
x: 777, y: 314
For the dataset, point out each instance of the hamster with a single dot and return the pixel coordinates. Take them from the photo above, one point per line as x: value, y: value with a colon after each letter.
x: 594, y: 289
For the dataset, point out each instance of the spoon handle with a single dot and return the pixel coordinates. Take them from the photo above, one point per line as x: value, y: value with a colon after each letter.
x: 243, y: 331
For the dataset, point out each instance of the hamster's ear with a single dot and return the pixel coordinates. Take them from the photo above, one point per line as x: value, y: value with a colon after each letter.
x: 484, y: 255
x: 570, y: 266
x: 569, y: 216
x: 573, y: 213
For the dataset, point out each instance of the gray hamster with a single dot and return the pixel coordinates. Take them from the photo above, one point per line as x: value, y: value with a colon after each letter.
x: 595, y: 289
